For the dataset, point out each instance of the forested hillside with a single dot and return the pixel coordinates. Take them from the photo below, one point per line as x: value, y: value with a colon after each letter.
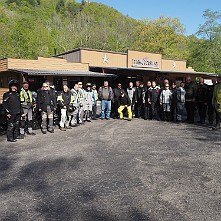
x: 32, y: 28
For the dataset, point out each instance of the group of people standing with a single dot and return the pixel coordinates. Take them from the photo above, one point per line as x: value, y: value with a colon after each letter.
x: 78, y: 105
x: 169, y: 101
x: 75, y: 106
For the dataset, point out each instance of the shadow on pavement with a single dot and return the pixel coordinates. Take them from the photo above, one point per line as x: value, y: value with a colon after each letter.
x: 204, y: 133
x: 52, y: 190
x: 5, y: 165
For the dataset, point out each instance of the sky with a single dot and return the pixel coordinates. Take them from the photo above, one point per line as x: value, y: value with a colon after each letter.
x: 189, y: 12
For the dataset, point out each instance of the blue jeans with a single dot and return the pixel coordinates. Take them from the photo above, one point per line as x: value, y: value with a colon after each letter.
x: 105, y: 106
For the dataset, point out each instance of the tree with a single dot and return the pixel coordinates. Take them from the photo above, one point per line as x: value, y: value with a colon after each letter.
x: 19, y: 2
x: 206, y: 54
x: 164, y: 36
x: 60, y: 7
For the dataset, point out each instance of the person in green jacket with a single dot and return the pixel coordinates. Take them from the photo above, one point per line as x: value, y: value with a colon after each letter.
x: 217, y: 102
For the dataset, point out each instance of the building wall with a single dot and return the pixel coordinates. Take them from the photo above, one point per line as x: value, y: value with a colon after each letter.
x: 190, y: 69
x: 3, y: 64
x: 103, y: 59
x: 131, y: 59
x: 173, y: 65
x: 148, y: 61
x: 73, y: 57
x: 46, y: 64
x: 5, y: 77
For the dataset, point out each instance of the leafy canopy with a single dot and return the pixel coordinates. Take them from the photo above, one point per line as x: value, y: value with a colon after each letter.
x: 32, y: 28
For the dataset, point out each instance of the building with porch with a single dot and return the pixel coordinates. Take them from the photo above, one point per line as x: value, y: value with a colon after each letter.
x: 133, y: 65
x: 57, y: 70
x: 91, y: 65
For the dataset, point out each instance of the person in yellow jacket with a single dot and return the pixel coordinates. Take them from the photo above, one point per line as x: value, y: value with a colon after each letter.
x: 216, y: 102
x: 27, y: 111
x: 124, y: 102
x: 65, y: 101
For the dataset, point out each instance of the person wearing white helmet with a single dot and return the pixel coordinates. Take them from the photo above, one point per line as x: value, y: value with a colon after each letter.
x: 82, y: 102
x: 65, y: 101
x: 165, y: 102
x: 89, y: 102
x: 76, y: 104
x: 46, y: 104
x: 94, y: 108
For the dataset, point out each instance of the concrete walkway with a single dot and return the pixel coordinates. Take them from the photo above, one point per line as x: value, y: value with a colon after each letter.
x: 113, y: 170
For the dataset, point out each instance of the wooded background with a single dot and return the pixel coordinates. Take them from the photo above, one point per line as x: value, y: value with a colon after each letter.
x: 32, y: 28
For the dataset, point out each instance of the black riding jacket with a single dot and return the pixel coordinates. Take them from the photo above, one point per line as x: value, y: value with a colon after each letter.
x: 190, y: 91
x: 11, y: 103
x: 125, y: 100
x: 202, y: 94
x: 154, y: 94
x: 117, y: 92
x: 138, y: 95
x: 66, y: 96
x: 46, y: 98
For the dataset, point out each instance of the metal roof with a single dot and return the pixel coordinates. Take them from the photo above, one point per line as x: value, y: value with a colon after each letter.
x: 63, y: 73
x: 156, y: 70
x: 87, y: 49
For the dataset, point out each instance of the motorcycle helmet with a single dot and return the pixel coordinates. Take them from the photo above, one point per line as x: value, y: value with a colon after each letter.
x: 88, y: 85
x: 13, y: 82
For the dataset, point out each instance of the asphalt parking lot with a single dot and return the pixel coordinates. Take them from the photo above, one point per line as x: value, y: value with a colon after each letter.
x: 113, y: 170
